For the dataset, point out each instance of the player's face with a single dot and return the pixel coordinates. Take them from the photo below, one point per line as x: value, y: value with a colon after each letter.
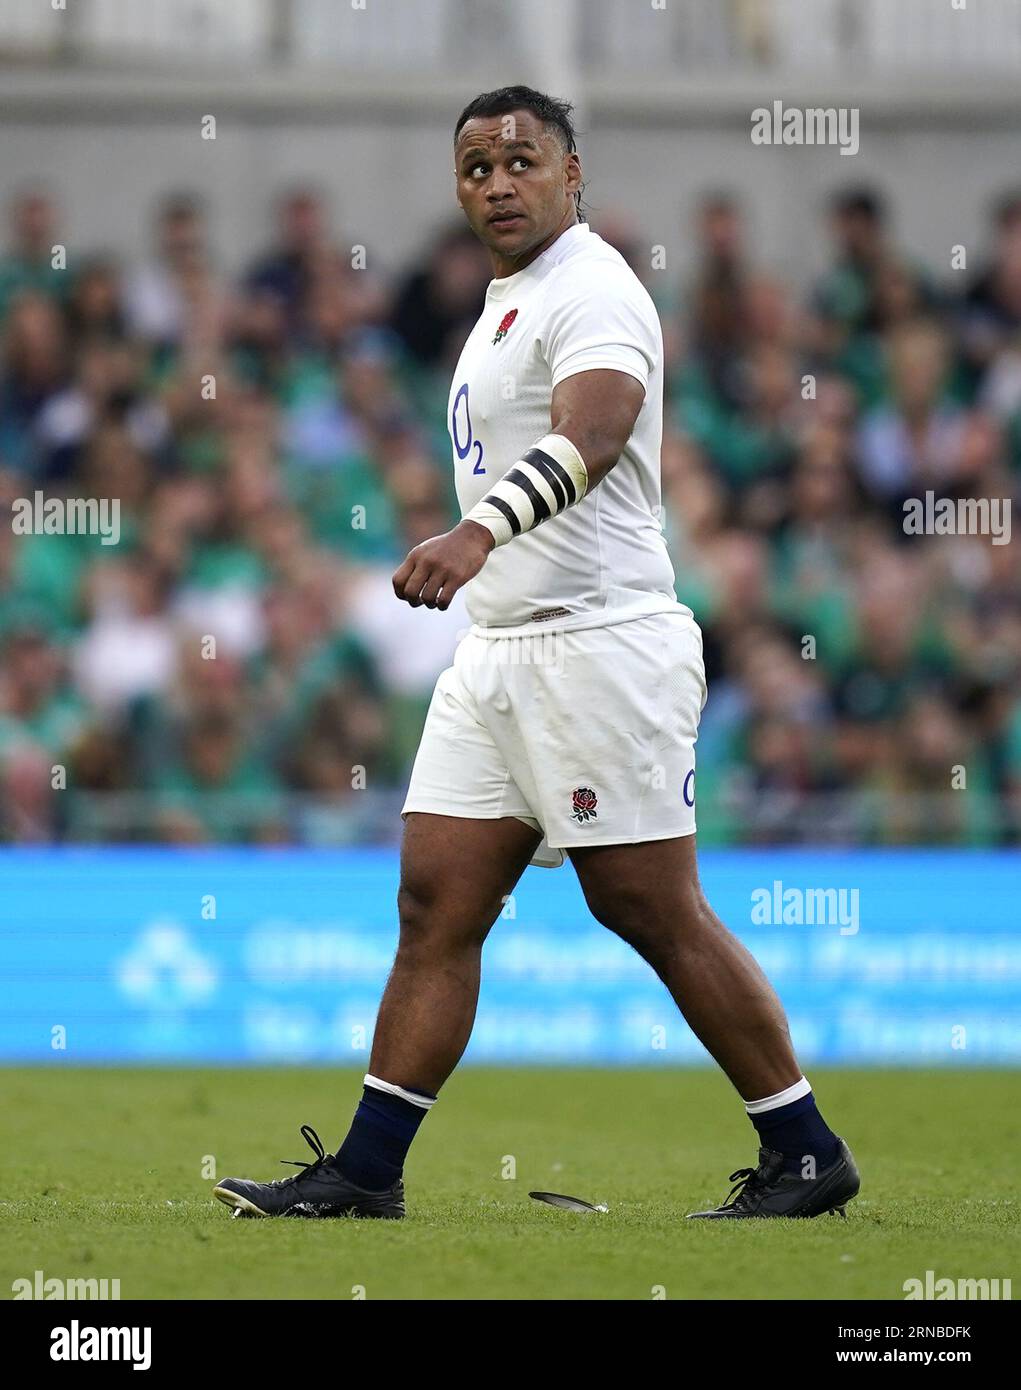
x: 516, y: 185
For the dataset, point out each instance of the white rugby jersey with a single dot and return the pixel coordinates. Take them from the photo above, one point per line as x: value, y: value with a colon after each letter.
x: 578, y: 307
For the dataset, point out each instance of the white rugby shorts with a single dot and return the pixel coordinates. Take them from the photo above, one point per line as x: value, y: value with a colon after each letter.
x: 587, y: 735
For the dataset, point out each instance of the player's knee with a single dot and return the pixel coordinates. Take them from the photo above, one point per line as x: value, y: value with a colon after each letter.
x: 618, y: 907
x: 431, y: 919
x: 648, y: 919
x: 417, y: 903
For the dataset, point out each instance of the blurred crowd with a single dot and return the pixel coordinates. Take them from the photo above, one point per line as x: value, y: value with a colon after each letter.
x: 237, y: 669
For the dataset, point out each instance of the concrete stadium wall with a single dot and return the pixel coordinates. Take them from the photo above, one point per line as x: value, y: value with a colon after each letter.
x: 390, y: 177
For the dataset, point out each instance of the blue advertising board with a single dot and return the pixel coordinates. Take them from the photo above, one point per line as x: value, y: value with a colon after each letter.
x: 279, y: 955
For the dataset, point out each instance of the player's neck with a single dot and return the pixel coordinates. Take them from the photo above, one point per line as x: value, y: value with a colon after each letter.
x: 510, y: 265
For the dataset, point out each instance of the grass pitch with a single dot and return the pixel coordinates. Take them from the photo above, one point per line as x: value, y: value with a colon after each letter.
x: 104, y: 1178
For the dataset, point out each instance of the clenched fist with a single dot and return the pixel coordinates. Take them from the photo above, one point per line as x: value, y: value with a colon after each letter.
x: 436, y: 569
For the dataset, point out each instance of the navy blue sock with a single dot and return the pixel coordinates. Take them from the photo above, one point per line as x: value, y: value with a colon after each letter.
x: 797, y: 1130
x: 380, y: 1136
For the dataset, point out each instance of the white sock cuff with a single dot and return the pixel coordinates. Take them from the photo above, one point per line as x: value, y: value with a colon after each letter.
x: 413, y: 1097
x: 795, y: 1092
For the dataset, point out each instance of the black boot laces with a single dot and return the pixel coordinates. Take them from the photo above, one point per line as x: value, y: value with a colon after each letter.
x: 746, y: 1182
x: 321, y: 1157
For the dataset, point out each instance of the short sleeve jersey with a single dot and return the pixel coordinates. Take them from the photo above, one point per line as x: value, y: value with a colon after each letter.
x: 578, y: 307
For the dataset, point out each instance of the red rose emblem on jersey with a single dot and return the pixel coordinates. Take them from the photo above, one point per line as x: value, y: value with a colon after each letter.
x: 583, y: 804
x: 505, y: 324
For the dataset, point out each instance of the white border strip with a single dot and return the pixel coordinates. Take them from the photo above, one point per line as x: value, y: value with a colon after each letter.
x: 795, y: 1092
x: 414, y: 1097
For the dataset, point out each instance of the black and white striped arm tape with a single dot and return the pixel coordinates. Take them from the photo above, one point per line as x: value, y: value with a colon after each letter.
x: 550, y: 478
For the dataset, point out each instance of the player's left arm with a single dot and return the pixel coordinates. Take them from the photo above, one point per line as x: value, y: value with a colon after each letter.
x: 592, y: 415
x: 597, y: 411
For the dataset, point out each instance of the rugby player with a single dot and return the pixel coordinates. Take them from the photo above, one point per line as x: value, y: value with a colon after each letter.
x: 566, y: 725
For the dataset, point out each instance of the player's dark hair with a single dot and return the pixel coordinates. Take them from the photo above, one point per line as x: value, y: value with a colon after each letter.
x: 554, y: 114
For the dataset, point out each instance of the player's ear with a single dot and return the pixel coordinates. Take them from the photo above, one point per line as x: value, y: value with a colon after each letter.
x: 572, y: 171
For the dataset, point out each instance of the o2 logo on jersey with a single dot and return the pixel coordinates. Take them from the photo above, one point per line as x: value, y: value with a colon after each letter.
x: 463, y: 450
x: 688, y: 790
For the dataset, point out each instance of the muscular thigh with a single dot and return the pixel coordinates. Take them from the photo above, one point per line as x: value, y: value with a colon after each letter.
x: 457, y: 872
x: 642, y: 890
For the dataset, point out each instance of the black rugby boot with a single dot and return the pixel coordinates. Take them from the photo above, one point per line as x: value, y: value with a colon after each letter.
x: 768, y: 1191
x: 319, y: 1190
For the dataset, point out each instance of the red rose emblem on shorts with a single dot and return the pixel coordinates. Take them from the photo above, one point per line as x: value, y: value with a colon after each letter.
x: 505, y: 324
x: 583, y: 804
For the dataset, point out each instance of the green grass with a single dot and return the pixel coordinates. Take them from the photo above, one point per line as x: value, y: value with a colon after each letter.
x: 103, y: 1179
